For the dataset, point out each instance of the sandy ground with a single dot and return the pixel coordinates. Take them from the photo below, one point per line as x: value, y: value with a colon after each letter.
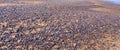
x: 59, y: 25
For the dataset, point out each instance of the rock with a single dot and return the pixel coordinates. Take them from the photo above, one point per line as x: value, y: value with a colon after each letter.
x: 7, y: 40
x: 55, y: 47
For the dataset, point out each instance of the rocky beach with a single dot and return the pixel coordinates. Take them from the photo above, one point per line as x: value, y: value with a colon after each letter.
x: 59, y: 25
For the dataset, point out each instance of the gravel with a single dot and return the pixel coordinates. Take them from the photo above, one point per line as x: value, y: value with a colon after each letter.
x: 58, y: 27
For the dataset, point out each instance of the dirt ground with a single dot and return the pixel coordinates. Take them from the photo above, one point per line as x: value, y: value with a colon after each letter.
x: 59, y: 25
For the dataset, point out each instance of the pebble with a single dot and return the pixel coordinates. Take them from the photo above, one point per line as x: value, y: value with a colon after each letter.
x: 36, y: 27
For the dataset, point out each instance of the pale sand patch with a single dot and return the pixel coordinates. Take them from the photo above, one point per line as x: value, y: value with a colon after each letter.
x: 107, y: 10
x: 5, y: 4
x: 11, y: 4
x: 32, y: 2
x: 19, y: 3
x: 96, y: 2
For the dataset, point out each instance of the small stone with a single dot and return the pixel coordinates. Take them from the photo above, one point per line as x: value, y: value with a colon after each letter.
x: 26, y: 32
x: 13, y: 36
x: 113, y: 45
x: 19, y: 35
x: 37, y: 42
x: 93, y: 49
x: 6, y: 31
x: 74, y: 44
x: 38, y: 29
x: 9, y: 28
x: 55, y: 47
x: 42, y: 24
x: 18, y: 41
x: 6, y: 40
x: 30, y: 46
x: 33, y: 31
x: 16, y: 27
x: 3, y: 47
x: 20, y: 29
x: 77, y: 21
x: 3, y: 23
x: 92, y: 41
x: 18, y: 47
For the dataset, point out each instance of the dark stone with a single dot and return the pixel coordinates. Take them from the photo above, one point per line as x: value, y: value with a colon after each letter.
x: 5, y: 39
x: 19, y: 35
x: 20, y: 29
x: 113, y: 45
x: 37, y: 42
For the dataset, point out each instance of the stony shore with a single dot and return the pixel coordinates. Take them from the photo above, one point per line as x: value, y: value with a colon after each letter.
x: 59, y: 25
